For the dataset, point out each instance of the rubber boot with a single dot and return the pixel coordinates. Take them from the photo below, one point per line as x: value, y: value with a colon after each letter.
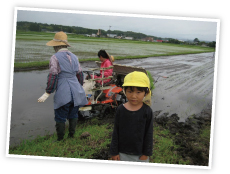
x: 72, y: 127
x: 60, y: 128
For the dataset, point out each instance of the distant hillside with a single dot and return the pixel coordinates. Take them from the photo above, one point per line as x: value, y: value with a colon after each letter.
x: 31, y: 26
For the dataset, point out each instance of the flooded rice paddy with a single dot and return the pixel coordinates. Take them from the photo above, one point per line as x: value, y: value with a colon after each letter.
x: 187, y: 91
x: 30, y: 50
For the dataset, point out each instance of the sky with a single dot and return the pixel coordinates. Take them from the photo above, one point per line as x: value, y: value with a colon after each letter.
x: 160, y: 26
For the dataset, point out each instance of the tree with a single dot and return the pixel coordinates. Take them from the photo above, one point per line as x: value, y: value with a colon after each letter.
x: 69, y: 29
x: 196, y: 40
x: 174, y: 41
x: 212, y: 44
x: 34, y: 27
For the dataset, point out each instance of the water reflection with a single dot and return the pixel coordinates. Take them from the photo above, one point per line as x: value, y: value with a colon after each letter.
x: 28, y: 117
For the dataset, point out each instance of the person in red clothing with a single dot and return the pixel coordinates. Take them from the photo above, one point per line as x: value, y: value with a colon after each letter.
x: 106, y: 61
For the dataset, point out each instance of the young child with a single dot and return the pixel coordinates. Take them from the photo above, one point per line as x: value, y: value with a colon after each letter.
x: 132, y: 138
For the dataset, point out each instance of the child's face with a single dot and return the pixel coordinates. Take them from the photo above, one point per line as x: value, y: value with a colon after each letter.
x: 135, y: 97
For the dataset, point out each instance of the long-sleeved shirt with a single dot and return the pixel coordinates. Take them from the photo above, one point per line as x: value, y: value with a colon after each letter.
x: 133, y: 131
x: 62, y: 78
x: 107, y: 72
x: 54, y: 70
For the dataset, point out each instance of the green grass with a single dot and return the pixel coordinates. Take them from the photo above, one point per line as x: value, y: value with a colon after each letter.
x: 164, y: 149
x: 151, y: 79
x: 70, y: 148
x: 31, y: 64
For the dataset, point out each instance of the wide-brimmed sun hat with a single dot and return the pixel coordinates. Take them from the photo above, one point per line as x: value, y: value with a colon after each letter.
x: 60, y: 38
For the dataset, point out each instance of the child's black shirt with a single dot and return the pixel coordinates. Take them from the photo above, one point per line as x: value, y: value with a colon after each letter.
x: 133, y: 131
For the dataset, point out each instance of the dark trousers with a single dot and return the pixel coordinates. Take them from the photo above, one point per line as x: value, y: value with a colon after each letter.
x: 67, y: 111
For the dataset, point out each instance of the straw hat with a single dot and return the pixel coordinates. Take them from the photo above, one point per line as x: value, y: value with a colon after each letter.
x: 111, y: 58
x: 60, y: 38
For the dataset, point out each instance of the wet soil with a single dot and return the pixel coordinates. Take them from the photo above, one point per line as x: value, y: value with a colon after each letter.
x: 187, y: 91
x: 187, y: 135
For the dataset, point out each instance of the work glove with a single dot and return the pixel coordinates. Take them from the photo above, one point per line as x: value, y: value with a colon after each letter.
x: 43, y: 97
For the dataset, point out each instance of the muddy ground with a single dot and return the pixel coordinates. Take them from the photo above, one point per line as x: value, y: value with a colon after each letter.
x: 186, y: 135
x: 189, y: 86
x: 187, y: 91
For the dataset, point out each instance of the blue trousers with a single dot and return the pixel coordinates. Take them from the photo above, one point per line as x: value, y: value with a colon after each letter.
x: 67, y: 111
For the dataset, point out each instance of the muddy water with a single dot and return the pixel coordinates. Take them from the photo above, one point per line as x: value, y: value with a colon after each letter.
x: 187, y: 91
x: 28, y: 117
x: 189, y: 87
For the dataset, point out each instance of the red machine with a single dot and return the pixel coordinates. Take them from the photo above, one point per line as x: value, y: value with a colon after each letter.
x: 105, y: 98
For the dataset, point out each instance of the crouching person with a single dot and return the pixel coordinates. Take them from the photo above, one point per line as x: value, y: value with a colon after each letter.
x: 132, y: 138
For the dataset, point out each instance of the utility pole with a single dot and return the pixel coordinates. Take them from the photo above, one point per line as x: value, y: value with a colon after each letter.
x: 109, y: 31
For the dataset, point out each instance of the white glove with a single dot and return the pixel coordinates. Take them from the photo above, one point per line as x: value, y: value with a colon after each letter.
x: 43, y: 97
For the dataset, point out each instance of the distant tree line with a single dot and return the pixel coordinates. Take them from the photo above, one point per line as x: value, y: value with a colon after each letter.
x: 210, y: 44
x: 194, y: 42
x: 135, y: 35
x: 174, y: 41
x: 32, y: 26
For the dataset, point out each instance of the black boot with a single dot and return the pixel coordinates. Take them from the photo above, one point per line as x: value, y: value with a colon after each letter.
x: 72, y: 127
x: 60, y: 128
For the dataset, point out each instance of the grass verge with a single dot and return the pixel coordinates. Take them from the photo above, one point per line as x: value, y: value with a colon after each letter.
x: 96, y: 146
x: 18, y: 66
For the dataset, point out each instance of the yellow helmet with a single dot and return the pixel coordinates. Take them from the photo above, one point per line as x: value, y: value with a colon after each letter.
x: 139, y: 79
x: 136, y: 78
